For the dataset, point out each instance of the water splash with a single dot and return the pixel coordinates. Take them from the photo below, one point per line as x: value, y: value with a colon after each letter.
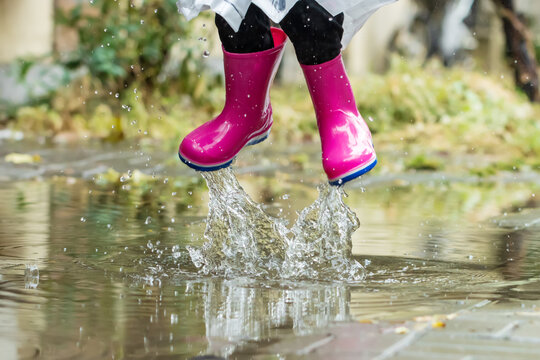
x: 320, y: 246
x: 243, y: 240
x: 241, y: 237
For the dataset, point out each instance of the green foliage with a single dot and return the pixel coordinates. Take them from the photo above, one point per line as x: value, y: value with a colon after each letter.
x: 146, y: 74
x: 476, y: 108
x: 423, y: 162
x: 39, y: 120
x: 123, y: 42
x: 411, y: 93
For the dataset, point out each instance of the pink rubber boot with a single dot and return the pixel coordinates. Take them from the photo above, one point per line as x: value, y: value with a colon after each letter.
x: 246, y: 118
x: 347, y: 148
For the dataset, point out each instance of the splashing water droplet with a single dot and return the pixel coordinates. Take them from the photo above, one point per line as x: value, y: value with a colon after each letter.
x: 31, y: 277
x: 148, y: 220
x: 241, y: 239
x: 321, y: 247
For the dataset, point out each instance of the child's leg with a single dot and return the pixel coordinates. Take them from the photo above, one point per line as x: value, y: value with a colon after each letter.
x: 253, y: 35
x: 347, y: 149
x: 314, y: 32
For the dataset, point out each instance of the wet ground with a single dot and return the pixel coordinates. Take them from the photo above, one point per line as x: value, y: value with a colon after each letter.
x: 92, y: 267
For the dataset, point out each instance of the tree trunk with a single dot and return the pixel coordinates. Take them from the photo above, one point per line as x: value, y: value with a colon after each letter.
x: 519, y: 49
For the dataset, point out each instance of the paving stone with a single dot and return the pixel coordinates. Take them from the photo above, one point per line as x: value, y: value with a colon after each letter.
x: 464, y: 345
x: 363, y: 355
x: 360, y: 337
x: 527, y: 331
x: 477, y: 325
x: 484, y: 331
x: 512, y: 306
x: 298, y: 344
x: 420, y: 355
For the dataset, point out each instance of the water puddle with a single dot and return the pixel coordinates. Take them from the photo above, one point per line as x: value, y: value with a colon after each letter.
x: 127, y: 270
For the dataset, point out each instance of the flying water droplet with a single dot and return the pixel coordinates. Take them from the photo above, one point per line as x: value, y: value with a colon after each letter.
x: 31, y: 277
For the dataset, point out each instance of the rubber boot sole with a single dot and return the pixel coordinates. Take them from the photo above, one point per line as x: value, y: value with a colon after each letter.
x: 355, y: 173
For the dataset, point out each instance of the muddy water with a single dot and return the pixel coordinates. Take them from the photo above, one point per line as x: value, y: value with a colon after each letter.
x: 98, y: 270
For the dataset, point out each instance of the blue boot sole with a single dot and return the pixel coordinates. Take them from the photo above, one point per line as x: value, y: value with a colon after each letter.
x: 354, y: 175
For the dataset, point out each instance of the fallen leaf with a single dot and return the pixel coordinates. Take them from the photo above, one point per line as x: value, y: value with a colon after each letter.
x: 17, y: 158
x: 401, y: 330
x: 438, y: 324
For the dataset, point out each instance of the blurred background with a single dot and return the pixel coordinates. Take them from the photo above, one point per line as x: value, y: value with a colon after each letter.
x: 72, y: 69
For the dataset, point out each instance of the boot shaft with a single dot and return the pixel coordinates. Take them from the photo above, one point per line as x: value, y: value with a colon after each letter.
x: 330, y: 89
x: 248, y: 76
x: 347, y: 148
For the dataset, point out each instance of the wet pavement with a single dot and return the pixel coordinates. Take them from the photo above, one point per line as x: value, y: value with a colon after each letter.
x: 484, y: 330
x: 99, y: 269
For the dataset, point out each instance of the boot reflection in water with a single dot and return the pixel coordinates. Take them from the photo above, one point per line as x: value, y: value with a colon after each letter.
x: 252, y: 52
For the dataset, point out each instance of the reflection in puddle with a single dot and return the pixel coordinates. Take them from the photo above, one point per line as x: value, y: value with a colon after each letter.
x: 235, y: 313
x: 117, y: 286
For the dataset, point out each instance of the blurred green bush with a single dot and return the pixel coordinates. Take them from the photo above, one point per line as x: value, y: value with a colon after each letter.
x: 145, y: 43
x: 139, y: 69
x: 477, y: 112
